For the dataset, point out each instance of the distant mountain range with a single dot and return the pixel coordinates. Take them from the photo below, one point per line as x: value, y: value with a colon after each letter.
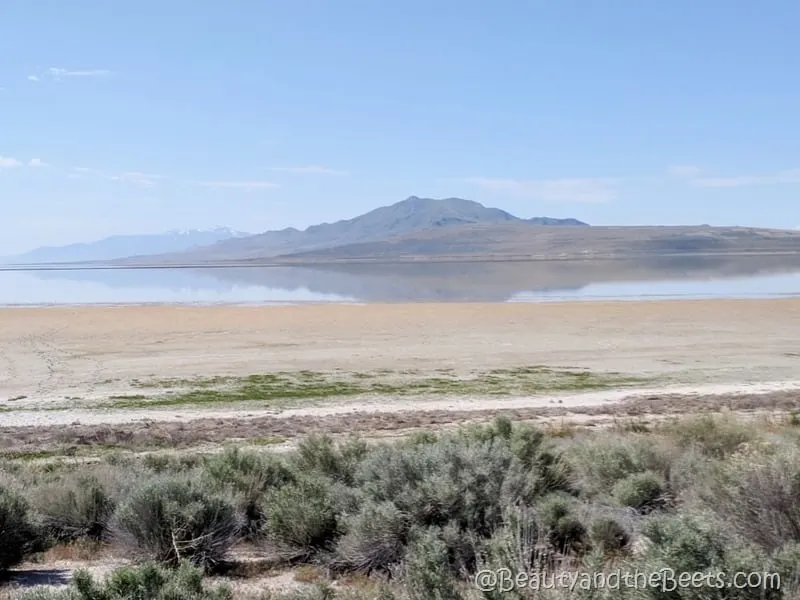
x: 422, y: 229
x: 121, y: 246
x: 407, y: 217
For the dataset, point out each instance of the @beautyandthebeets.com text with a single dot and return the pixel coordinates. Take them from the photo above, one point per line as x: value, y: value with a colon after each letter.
x: 665, y: 580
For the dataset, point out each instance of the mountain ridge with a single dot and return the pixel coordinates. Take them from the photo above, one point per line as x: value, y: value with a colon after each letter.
x: 414, y: 214
x: 425, y: 229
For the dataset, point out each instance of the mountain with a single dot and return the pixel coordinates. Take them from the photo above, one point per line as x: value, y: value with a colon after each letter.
x: 120, y: 246
x: 425, y: 229
x: 402, y: 218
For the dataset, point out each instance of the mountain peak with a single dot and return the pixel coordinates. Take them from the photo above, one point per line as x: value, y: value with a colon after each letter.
x: 432, y: 202
x: 459, y: 210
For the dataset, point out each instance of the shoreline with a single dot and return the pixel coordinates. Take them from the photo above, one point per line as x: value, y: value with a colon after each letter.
x: 400, y: 260
x: 534, y: 300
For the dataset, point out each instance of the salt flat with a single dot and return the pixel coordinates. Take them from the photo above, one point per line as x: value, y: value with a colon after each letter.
x: 52, y: 353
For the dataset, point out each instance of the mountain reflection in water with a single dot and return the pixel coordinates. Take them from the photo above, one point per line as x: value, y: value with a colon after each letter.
x: 411, y: 282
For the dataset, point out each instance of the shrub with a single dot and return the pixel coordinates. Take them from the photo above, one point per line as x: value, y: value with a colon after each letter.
x: 320, y: 454
x: 119, y: 459
x: 73, y: 509
x: 170, y: 463
x: 527, y: 442
x: 569, y: 535
x: 175, y: 519
x: 786, y: 562
x: 458, y: 480
x: 426, y: 572
x: 19, y: 536
x: 502, y: 426
x: 565, y: 532
x: 375, y: 538
x: 249, y: 476
x: 302, y: 515
x: 717, y: 437
x: 418, y: 438
x: 601, y: 461
x: 529, y: 445
x: 516, y: 545
x: 608, y: 536
x: 693, y: 543
x: 147, y: 582
x: 642, y: 491
x: 759, y: 496
x: 553, y: 507
x: 686, y: 543
x: 690, y: 471
x: 247, y: 471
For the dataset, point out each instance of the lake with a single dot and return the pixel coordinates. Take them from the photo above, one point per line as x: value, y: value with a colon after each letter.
x: 717, y: 277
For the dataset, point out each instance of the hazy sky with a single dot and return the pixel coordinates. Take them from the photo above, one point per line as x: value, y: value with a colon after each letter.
x: 121, y: 117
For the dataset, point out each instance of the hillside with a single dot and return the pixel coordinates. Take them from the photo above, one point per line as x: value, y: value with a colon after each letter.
x: 519, y: 241
x: 402, y: 218
x: 120, y: 246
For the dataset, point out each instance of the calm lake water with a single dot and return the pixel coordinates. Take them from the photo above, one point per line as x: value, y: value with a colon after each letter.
x: 452, y: 282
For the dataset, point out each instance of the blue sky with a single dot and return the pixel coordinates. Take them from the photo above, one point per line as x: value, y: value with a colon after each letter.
x: 259, y: 114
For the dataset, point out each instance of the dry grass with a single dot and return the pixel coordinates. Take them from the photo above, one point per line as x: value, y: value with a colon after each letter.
x: 308, y: 574
x: 78, y: 551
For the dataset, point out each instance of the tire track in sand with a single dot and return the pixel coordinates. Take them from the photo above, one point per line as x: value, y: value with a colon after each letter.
x: 64, y: 370
x: 8, y: 368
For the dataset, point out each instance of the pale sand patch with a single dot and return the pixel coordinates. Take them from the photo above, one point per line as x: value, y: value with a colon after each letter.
x: 49, y: 354
x: 380, y: 405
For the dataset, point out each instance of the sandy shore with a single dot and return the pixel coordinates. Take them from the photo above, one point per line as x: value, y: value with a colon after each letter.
x: 58, y: 352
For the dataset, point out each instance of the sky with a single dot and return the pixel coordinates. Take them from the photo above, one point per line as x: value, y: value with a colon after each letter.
x: 141, y: 117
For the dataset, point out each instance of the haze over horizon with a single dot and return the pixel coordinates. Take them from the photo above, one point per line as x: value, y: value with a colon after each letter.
x: 264, y: 115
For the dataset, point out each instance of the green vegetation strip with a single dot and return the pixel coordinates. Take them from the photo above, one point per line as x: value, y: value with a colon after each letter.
x: 282, y: 388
